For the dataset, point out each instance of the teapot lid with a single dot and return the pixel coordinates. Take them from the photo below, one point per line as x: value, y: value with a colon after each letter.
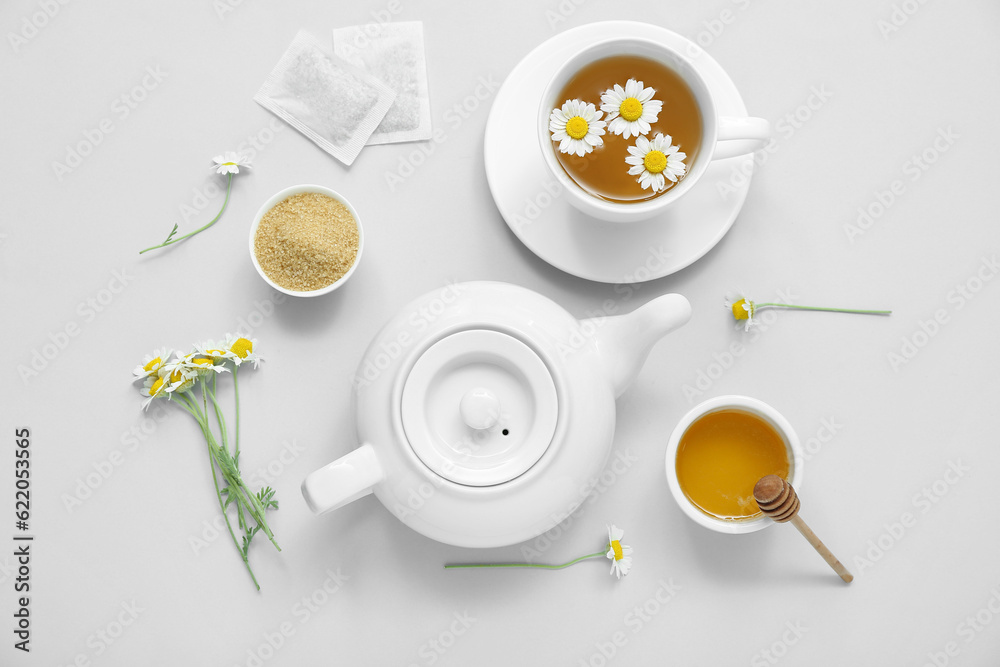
x: 479, y: 407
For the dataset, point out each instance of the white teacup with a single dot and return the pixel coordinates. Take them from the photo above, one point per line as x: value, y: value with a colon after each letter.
x: 756, y: 408
x: 722, y: 137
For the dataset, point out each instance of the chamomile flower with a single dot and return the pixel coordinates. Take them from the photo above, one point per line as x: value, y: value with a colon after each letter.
x: 631, y: 110
x: 577, y: 126
x: 620, y: 554
x: 656, y: 161
x: 242, y: 350
x: 151, y: 363
x: 230, y: 163
x: 743, y: 309
x: 154, y: 387
x: 202, y: 364
x: 181, y: 379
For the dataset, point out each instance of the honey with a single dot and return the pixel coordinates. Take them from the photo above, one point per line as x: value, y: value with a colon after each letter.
x: 720, y: 458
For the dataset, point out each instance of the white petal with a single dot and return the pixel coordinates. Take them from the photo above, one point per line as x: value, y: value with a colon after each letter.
x: 642, y: 143
x: 646, y: 95
x: 621, y: 93
x: 637, y: 169
x: 643, y: 126
x: 632, y: 88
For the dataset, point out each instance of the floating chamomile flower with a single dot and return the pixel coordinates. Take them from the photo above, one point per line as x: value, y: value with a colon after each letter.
x: 656, y: 161
x: 230, y: 163
x: 631, y: 110
x: 620, y: 555
x: 242, y: 350
x: 151, y: 363
x: 577, y: 126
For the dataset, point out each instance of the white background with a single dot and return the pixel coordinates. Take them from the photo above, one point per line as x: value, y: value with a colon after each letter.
x: 897, y: 429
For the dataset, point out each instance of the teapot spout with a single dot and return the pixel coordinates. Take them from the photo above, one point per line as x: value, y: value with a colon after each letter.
x: 624, y: 341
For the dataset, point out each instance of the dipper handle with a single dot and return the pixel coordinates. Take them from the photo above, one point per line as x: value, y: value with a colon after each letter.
x: 778, y: 500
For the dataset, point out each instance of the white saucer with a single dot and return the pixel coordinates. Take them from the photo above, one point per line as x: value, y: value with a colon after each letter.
x: 530, y: 200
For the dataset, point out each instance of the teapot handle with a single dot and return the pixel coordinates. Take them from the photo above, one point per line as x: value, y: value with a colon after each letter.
x: 345, y: 480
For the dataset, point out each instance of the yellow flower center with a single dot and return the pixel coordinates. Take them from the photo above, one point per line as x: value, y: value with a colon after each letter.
x: 149, y: 367
x: 242, y: 347
x: 616, y: 546
x: 228, y: 164
x: 630, y: 109
x: 655, y: 162
x: 739, y: 312
x: 203, y: 360
x: 577, y: 127
x: 157, y: 386
x: 176, y: 376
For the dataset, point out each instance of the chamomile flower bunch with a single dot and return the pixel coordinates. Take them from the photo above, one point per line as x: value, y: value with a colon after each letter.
x: 190, y: 380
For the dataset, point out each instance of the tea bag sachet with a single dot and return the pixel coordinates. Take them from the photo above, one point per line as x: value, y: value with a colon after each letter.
x: 332, y: 102
x: 393, y: 53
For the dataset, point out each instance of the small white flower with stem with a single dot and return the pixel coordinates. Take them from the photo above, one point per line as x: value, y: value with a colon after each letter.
x: 577, y: 126
x: 656, y: 161
x: 631, y: 110
x: 620, y: 555
x: 228, y: 164
x: 745, y: 309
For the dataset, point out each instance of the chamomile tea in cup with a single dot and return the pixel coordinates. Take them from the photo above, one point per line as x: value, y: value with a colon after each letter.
x: 718, y: 452
x: 628, y: 125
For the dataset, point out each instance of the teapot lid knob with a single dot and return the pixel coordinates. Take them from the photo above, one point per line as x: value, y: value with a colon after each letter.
x: 480, y: 408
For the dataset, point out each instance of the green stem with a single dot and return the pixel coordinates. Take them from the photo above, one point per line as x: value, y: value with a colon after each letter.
x: 236, y: 390
x: 218, y: 411
x: 200, y: 229
x: 191, y: 407
x: 222, y: 506
x: 538, y: 565
x: 829, y: 310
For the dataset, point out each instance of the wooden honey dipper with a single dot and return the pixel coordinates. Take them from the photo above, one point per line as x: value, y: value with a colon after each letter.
x: 778, y: 500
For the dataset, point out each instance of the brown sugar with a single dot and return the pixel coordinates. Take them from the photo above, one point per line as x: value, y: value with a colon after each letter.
x: 307, y: 242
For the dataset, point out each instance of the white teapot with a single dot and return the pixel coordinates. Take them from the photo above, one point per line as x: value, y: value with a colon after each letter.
x: 486, y: 411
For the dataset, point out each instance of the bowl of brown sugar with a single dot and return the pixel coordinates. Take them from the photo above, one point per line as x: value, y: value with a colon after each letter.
x: 306, y: 240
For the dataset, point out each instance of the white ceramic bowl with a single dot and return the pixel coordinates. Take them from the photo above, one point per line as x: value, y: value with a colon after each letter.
x: 283, y: 195
x: 754, y: 407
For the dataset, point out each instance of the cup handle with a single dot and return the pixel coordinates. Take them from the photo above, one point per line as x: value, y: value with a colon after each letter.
x: 740, y: 135
x: 343, y: 481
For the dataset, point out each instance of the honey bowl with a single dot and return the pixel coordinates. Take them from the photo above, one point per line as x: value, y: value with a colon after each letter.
x: 719, y: 450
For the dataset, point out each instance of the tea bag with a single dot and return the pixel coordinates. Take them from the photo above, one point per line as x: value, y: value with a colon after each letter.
x: 332, y: 102
x: 394, y: 53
